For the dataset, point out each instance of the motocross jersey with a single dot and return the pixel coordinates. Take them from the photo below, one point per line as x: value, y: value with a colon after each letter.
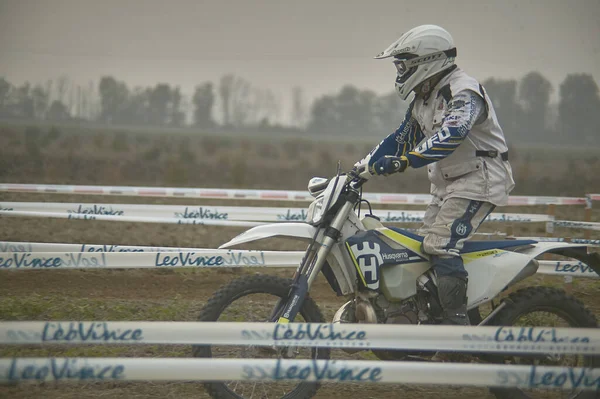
x: 455, y: 133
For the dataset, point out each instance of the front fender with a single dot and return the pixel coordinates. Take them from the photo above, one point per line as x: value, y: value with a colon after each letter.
x: 303, y: 231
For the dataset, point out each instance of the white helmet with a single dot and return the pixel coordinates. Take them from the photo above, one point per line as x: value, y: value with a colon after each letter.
x: 419, y: 54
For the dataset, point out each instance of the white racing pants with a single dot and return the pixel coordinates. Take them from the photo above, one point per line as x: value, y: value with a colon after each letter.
x: 446, y: 226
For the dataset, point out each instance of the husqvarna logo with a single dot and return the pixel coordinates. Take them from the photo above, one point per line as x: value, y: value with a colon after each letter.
x: 368, y: 257
x: 461, y: 229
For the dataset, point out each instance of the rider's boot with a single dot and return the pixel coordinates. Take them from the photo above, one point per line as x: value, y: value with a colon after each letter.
x: 452, y: 292
x: 453, y: 299
x: 452, y: 288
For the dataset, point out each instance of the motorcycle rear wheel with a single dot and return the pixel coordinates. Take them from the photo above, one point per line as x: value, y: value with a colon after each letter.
x: 547, y: 302
x: 242, y: 288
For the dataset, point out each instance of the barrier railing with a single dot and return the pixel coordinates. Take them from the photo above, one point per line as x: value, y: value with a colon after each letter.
x: 210, y: 258
x: 578, y: 225
x: 108, y: 260
x: 222, y: 213
x: 508, y: 340
x: 137, y: 219
x: 392, y: 217
x: 242, y: 217
x: 562, y: 239
x: 591, y: 198
x: 278, y: 195
x: 20, y: 246
x: 359, y: 336
x: 190, y: 369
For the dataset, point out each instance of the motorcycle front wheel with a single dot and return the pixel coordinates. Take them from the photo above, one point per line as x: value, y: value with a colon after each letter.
x: 253, y: 299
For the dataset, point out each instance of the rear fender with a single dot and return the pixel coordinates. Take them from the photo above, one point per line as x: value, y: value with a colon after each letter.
x: 301, y: 231
x: 575, y: 251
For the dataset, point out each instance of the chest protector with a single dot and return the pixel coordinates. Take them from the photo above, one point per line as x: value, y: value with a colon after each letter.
x: 463, y: 174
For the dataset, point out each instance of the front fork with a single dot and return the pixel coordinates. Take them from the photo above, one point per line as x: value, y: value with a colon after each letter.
x: 287, y: 308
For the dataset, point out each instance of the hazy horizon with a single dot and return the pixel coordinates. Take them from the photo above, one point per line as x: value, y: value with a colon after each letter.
x: 317, y: 45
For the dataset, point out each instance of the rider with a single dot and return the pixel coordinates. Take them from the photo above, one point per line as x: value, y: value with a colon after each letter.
x: 450, y: 128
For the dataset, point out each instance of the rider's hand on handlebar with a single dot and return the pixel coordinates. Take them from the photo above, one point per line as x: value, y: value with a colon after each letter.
x: 387, y: 165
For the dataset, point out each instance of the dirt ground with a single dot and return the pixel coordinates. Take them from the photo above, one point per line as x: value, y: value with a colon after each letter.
x: 173, y: 294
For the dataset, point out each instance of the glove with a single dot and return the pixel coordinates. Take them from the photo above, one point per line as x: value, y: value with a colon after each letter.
x: 361, y: 168
x: 388, y: 164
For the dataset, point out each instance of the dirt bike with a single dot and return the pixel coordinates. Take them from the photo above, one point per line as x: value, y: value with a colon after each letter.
x: 388, y: 279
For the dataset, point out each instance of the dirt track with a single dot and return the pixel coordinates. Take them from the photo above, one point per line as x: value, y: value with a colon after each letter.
x: 148, y: 295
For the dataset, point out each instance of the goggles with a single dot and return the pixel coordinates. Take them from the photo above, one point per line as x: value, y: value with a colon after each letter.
x: 405, y: 62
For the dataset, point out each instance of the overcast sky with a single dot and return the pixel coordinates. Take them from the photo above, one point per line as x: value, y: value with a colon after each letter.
x: 317, y: 44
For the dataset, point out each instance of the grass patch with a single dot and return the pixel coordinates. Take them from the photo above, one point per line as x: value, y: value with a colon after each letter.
x: 37, y: 307
x: 61, y: 350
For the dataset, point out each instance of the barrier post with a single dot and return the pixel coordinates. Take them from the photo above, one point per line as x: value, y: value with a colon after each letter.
x: 509, y: 230
x: 568, y: 284
x: 550, y: 224
x: 551, y: 211
x: 587, y: 234
x: 568, y: 280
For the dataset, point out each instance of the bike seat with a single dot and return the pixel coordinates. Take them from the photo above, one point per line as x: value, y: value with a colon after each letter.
x: 474, y: 245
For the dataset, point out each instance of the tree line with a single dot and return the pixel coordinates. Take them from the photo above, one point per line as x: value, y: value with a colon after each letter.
x: 523, y: 107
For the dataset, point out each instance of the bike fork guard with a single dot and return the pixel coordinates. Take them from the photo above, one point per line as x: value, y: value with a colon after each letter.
x: 295, y: 300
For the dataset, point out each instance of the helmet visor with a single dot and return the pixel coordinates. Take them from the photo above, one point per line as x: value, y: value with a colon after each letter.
x: 406, y: 64
x: 413, y: 60
x: 403, y: 69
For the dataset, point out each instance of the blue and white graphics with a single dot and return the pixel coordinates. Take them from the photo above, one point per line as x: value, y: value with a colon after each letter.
x: 369, y: 253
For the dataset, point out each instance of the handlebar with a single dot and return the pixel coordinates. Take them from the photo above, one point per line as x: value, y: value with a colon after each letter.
x: 354, y: 181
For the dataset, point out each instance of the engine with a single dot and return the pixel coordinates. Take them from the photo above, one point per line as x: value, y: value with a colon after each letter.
x: 370, y: 306
x: 405, y: 312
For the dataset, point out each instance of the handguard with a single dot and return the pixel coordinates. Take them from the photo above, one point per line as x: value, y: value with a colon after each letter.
x: 361, y: 168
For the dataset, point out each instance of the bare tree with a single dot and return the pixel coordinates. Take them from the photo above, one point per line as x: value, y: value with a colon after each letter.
x: 93, y: 107
x: 5, y: 88
x: 48, y: 88
x: 299, y: 109
x: 62, y: 86
x: 203, y: 104
x: 225, y: 89
x: 534, y: 94
x: 265, y: 107
x: 578, y: 108
x: 40, y: 102
x: 241, y: 102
